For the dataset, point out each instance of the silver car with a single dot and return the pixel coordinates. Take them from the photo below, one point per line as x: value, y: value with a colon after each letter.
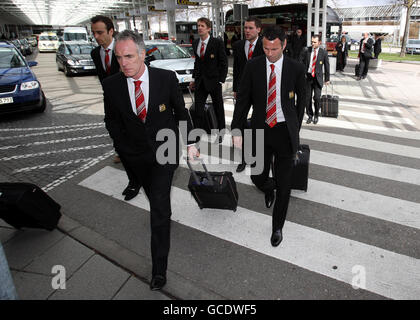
x: 167, y: 55
x: 413, y: 46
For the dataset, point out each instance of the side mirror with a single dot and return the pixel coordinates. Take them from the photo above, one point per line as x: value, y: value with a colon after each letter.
x: 32, y: 64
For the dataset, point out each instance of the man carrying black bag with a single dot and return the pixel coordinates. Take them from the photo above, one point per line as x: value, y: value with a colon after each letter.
x: 270, y: 84
x: 365, y: 54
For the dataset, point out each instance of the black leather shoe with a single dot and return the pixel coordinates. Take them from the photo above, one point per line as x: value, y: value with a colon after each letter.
x: 130, y: 192
x: 241, y: 167
x: 129, y: 186
x: 315, y: 119
x: 269, y: 198
x: 157, y: 282
x: 309, y: 120
x: 220, y: 139
x: 276, y: 238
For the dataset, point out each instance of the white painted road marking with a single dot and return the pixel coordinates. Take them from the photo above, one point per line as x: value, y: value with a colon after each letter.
x: 309, y: 248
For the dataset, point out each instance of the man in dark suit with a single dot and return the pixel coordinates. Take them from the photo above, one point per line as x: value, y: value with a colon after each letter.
x: 315, y: 59
x: 298, y: 43
x: 103, y: 56
x: 141, y: 101
x: 210, y: 71
x: 365, y: 54
x: 342, y: 49
x: 106, y: 65
x: 270, y: 84
x: 243, y: 51
x: 377, y: 47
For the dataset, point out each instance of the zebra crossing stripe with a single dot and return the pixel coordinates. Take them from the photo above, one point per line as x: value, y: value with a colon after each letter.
x: 49, y: 165
x: 53, y: 127
x: 352, y: 200
x: 376, y: 117
x: 318, y: 251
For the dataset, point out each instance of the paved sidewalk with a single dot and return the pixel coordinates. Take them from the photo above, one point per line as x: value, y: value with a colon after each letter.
x: 97, y: 267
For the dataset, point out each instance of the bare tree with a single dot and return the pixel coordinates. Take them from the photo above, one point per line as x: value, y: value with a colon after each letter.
x: 408, y: 4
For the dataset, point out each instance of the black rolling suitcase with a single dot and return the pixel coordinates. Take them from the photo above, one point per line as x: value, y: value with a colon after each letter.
x: 329, y: 104
x: 209, y: 116
x: 216, y: 190
x: 301, y: 168
x: 26, y: 205
x: 356, y: 70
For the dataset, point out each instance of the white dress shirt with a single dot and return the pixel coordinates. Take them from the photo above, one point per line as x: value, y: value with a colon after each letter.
x: 144, y: 87
x: 205, y: 46
x: 312, y: 57
x: 102, y: 53
x: 278, y: 68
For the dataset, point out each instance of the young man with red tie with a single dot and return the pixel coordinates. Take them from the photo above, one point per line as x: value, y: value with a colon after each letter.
x: 210, y: 71
x: 141, y: 101
x: 315, y: 60
x: 106, y: 65
x: 243, y: 51
x: 270, y: 84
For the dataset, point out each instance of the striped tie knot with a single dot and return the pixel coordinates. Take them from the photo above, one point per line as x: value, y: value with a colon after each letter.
x: 140, y: 103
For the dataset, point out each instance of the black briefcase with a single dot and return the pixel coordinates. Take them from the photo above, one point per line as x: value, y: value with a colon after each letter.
x: 26, y: 205
x: 301, y: 168
x: 216, y: 190
x: 329, y: 104
x: 210, y: 119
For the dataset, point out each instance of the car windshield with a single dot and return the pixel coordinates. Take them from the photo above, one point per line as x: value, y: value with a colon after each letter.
x: 75, y: 36
x: 167, y: 51
x: 413, y: 41
x: 79, y: 49
x: 48, y: 38
x: 10, y: 58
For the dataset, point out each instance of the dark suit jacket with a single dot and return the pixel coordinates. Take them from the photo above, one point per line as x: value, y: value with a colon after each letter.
x: 166, y: 107
x: 214, y: 67
x: 339, y: 48
x: 297, y: 44
x: 377, y: 47
x: 96, y: 57
x: 240, y: 59
x: 368, y: 48
x: 321, y: 61
x: 253, y: 91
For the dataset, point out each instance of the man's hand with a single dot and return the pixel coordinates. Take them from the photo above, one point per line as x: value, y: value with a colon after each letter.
x: 192, y: 85
x: 237, y: 142
x: 192, y: 152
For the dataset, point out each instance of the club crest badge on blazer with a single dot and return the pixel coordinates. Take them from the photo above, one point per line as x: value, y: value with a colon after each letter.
x: 320, y: 62
x: 162, y: 108
x: 212, y: 56
x: 291, y: 95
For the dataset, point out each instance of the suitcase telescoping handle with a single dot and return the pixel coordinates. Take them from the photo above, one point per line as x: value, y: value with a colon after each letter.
x: 197, y: 180
x: 191, y: 95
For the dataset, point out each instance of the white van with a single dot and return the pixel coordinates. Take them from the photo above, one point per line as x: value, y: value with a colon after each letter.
x: 75, y: 34
x: 48, y: 41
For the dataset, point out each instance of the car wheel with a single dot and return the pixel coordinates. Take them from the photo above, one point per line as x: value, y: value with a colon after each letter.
x: 67, y: 71
x: 43, y: 105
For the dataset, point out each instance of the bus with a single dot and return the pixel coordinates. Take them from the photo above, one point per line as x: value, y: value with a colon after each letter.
x: 290, y: 17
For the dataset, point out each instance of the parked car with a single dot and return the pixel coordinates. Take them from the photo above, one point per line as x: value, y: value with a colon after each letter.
x: 189, y: 48
x: 48, y: 42
x: 18, y: 45
x: 27, y: 48
x: 19, y: 88
x: 33, y: 41
x: 412, y: 46
x: 74, y: 58
x: 167, y: 55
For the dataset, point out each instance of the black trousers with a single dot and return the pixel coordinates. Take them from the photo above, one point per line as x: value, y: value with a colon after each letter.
x: 341, y: 61
x: 277, y: 144
x: 201, y: 95
x: 312, y: 88
x: 364, y: 66
x: 157, y: 182
x: 132, y: 179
